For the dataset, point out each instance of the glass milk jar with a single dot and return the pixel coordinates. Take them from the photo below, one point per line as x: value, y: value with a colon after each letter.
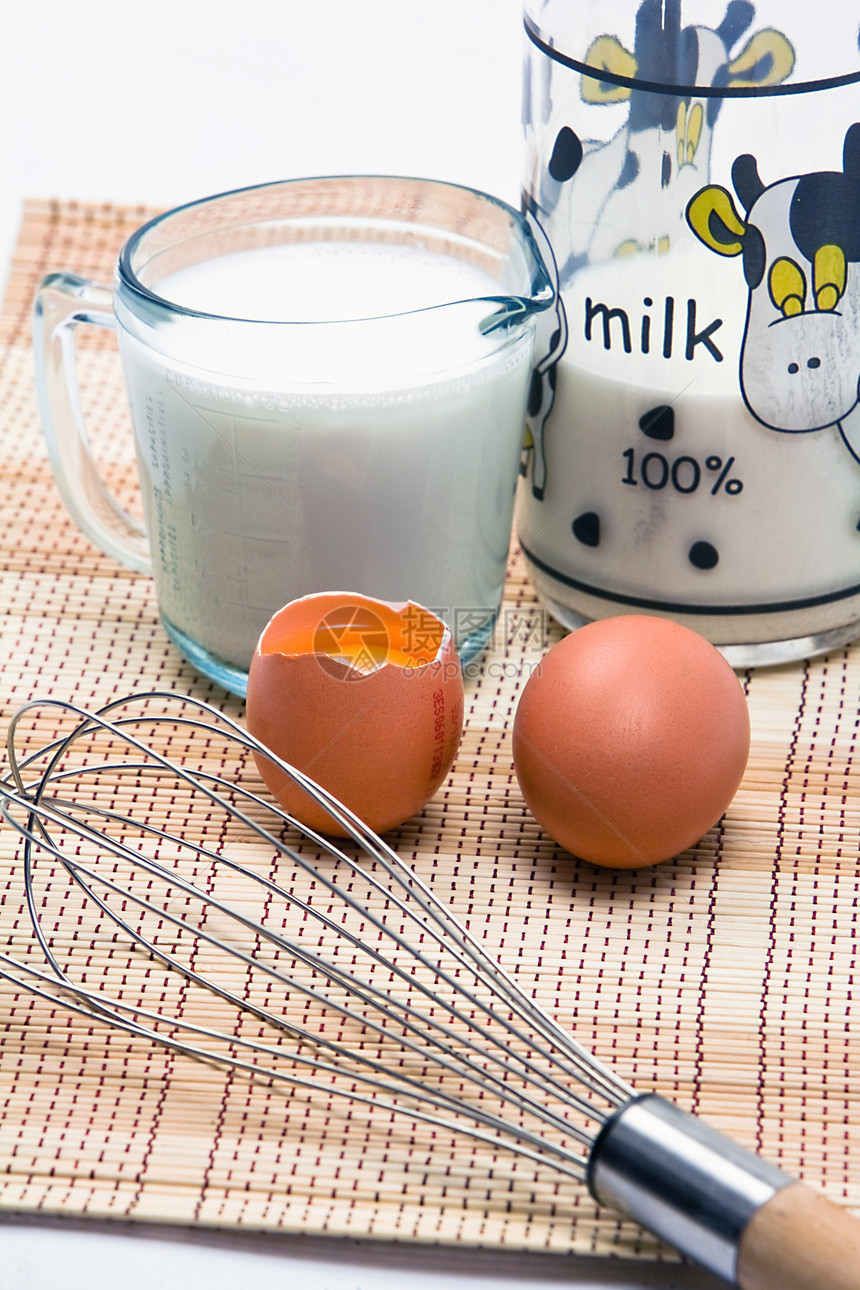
x: 694, y: 428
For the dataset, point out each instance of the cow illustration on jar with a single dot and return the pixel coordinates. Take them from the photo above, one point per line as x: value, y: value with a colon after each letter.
x: 596, y: 195
x: 799, y: 241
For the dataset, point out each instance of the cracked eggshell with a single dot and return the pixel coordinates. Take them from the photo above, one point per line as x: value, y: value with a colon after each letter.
x: 630, y: 740
x: 365, y: 697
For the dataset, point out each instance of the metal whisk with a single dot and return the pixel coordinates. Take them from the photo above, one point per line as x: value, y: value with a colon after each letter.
x: 333, y: 966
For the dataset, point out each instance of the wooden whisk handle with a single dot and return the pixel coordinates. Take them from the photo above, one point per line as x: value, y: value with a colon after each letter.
x: 722, y: 1205
x: 799, y: 1240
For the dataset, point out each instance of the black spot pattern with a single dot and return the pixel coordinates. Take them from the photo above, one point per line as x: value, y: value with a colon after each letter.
x: 754, y: 257
x: 566, y: 155
x: 586, y: 527
x: 825, y: 207
x: 702, y: 555
x: 658, y: 423
x: 746, y: 179
x: 535, y: 394
x: 629, y: 170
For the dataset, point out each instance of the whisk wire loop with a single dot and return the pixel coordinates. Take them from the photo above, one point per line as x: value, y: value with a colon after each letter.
x: 384, y: 1005
x: 89, y: 1003
x: 390, y: 1009
x: 451, y: 1033
x: 452, y: 935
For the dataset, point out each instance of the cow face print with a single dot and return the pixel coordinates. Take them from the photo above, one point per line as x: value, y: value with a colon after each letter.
x: 800, y: 243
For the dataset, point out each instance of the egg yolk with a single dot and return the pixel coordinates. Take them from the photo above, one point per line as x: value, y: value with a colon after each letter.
x: 364, y: 637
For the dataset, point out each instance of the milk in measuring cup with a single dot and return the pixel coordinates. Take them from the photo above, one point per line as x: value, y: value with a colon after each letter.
x: 258, y: 491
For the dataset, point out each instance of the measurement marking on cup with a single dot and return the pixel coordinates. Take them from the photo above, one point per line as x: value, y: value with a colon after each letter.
x: 683, y: 474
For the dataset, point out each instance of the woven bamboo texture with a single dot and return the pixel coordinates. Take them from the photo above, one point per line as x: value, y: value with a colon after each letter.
x: 724, y: 980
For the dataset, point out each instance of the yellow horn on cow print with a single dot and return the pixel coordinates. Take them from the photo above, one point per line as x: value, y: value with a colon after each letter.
x: 768, y: 49
x: 607, y: 54
x: 712, y: 208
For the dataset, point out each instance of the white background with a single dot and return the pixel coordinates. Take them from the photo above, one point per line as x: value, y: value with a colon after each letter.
x: 170, y: 100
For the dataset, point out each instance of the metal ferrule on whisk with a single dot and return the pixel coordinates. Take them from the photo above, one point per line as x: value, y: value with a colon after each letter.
x: 682, y: 1180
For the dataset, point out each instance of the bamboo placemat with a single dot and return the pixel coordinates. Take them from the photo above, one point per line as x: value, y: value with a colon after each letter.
x: 724, y: 980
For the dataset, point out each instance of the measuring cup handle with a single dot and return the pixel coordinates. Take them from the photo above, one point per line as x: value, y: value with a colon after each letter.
x: 62, y: 301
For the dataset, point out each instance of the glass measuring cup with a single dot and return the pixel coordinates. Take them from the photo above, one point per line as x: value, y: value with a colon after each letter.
x: 327, y: 381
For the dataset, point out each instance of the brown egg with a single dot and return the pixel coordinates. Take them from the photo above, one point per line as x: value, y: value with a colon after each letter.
x: 365, y: 697
x: 630, y: 740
